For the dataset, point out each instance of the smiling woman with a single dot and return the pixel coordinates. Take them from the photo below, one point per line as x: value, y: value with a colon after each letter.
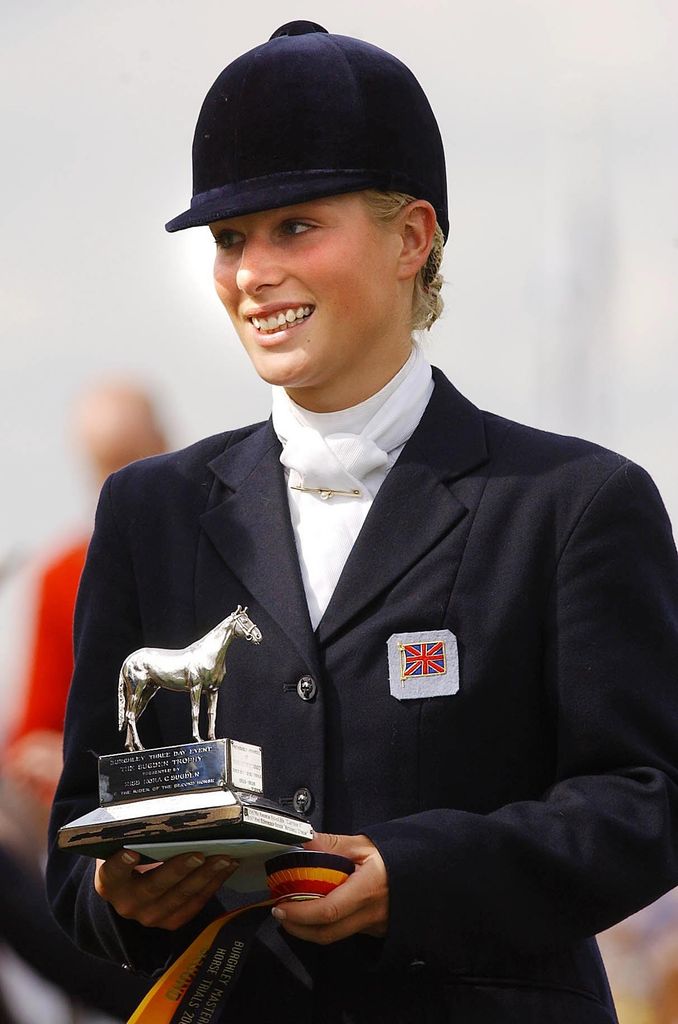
x: 354, y: 276
x: 467, y: 679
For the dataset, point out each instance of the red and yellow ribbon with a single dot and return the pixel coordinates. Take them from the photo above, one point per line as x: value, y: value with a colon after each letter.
x: 162, y: 1001
x: 202, y: 977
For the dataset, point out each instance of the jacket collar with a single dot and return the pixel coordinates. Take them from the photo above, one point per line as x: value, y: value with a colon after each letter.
x: 249, y: 523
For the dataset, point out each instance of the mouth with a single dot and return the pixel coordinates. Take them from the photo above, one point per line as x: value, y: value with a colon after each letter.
x: 281, y: 320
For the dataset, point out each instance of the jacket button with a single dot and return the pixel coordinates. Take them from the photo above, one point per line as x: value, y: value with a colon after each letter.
x: 307, y: 688
x: 302, y: 800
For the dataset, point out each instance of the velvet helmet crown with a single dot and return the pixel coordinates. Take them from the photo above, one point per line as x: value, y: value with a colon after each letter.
x: 310, y: 114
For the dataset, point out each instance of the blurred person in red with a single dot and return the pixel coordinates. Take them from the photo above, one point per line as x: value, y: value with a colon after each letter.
x: 114, y: 423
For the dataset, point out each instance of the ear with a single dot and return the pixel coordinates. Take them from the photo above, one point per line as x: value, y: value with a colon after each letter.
x: 417, y: 227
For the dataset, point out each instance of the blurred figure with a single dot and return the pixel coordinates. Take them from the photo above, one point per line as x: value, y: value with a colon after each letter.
x: 114, y: 423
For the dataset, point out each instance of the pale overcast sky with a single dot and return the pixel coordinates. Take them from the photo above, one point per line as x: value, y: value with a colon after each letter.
x: 559, y: 118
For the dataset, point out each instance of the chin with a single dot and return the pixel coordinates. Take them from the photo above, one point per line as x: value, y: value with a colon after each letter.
x: 282, y: 370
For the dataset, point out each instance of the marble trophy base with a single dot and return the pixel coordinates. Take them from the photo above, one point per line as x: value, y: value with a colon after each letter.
x: 191, y: 792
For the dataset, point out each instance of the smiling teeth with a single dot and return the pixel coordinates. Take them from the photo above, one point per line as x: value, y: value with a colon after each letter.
x: 281, y: 319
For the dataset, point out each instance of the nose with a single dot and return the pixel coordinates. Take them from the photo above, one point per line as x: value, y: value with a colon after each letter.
x: 259, y: 267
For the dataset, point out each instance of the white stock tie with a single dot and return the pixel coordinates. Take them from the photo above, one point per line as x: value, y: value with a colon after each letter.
x: 336, y: 463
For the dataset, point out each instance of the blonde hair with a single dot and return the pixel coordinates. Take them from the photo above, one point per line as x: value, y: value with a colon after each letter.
x: 427, y: 303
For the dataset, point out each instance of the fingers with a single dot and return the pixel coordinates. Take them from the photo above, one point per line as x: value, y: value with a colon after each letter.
x: 356, y: 848
x: 325, y: 842
x: 359, y: 905
x: 111, y: 873
x: 161, y: 896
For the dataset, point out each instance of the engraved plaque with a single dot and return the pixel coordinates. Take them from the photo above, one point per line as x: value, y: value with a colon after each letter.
x: 185, y: 768
x: 246, y: 770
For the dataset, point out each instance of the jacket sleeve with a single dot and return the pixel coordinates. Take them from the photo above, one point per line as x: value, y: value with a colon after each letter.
x: 107, y: 629
x: 602, y: 841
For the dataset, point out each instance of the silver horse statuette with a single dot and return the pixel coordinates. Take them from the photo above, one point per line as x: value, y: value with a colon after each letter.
x: 200, y: 666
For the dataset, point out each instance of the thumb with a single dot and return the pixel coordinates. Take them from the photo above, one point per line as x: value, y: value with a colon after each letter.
x: 356, y: 848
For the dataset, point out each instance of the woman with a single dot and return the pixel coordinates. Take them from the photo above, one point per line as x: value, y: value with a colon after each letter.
x: 471, y: 628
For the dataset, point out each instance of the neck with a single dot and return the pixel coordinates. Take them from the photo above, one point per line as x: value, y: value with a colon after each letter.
x: 221, y: 638
x: 335, y: 396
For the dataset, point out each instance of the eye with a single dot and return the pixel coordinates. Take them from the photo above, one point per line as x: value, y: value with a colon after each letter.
x: 227, y: 239
x: 295, y: 227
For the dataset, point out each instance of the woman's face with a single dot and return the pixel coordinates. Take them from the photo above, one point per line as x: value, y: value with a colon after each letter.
x: 318, y: 296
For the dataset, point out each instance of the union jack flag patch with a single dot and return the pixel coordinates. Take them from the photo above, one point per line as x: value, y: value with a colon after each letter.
x: 422, y: 660
x: 424, y: 664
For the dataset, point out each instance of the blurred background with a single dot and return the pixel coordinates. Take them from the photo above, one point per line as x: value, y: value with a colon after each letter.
x: 559, y: 118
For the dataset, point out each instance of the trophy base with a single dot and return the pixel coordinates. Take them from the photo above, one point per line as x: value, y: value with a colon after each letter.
x: 185, y: 817
x: 252, y: 856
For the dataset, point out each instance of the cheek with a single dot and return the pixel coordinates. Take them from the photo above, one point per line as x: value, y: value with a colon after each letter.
x: 342, y: 283
x: 230, y: 304
x: 357, y: 295
x: 224, y: 284
x: 219, y: 288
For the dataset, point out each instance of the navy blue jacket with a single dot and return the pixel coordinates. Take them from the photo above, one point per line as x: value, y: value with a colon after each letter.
x: 518, y: 817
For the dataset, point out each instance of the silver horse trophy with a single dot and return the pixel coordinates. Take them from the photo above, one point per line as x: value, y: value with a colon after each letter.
x: 195, y: 669
x: 190, y: 793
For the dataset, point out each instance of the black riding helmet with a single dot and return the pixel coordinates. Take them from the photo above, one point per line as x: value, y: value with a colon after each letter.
x: 309, y: 114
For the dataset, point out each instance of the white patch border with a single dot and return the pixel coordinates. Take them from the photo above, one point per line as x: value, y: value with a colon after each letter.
x: 418, y: 687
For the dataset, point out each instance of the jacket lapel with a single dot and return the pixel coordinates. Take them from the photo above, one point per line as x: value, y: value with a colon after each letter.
x: 250, y: 527
x: 415, y: 507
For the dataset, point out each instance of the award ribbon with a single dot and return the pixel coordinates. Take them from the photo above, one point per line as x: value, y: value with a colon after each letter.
x: 201, y: 979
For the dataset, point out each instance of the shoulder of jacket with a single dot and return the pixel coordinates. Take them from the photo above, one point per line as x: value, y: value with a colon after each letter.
x: 518, y: 448
x: 187, y: 468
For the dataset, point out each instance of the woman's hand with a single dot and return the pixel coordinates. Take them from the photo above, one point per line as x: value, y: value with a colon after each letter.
x: 359, y: 905
x: 160, y: 895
